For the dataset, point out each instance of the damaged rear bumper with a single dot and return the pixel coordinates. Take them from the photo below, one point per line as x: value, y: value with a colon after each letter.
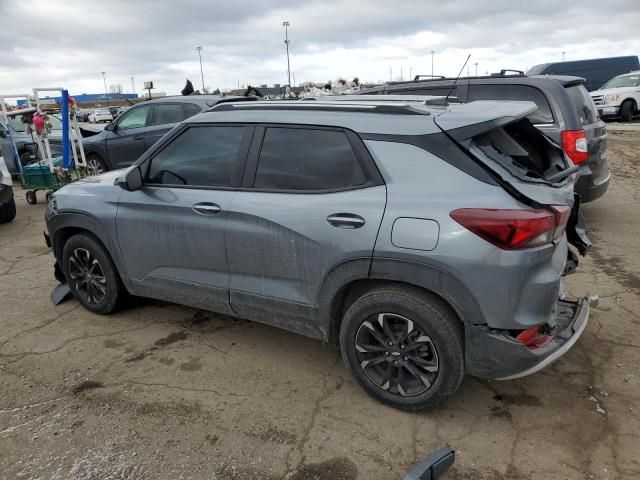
x: 496, y: 354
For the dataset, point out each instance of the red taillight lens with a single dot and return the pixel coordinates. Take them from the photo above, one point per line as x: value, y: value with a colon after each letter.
x: 562, y: 218
x: 574, y: 143
x: 509, y: 229
x: 531, y: 339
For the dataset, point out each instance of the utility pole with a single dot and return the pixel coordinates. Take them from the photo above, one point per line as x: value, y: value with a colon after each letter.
x: 106, y: 92
x: 133, y: 86
x: 199, y: 49
x: 401, y: 75
x: 410, y: 75
x: 432, y: 52
x: 476, y: 69
x: 563, y: 56
x: 390, y: 73
x: 286, y: 26
x: 294, y: 79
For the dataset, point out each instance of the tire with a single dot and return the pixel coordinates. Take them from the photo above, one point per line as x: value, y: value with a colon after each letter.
x: 430, y: 373
x: 30, y: 197
x: 8, y: 211
x: 95, y: 165
x: 91, y: 274
x: 626, y: 111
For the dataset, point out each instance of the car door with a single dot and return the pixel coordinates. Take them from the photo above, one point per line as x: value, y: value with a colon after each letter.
x: 125, y: 141
x: 164, y: 117
x: 171, y: 231
x: 315, y: 201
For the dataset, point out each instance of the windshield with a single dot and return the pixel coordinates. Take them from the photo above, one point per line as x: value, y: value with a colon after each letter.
x: 18, y: 126
x: 623, y: 81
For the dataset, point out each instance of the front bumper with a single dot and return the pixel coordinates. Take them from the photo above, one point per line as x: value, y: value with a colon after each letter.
x: 607, y: 111
x: 496, y: 354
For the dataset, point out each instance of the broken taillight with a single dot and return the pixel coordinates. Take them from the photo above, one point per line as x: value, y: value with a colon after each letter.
x: 515, y: 229
x: 574, y: 144
x: 531, y: 339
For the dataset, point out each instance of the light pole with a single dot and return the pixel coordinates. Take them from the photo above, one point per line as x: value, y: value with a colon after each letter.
x: 432, y: 52
x: 104, y: 79
x: 133, y: 86
x: 286, y: 26
x: 476, y: 69
x: 563, y: 56
x: 199, y: 49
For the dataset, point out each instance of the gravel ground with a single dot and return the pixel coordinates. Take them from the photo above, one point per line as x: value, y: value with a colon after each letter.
x: 164, y: 391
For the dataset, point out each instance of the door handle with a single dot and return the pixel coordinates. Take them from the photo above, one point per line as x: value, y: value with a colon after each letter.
x: 206, y: 208
x: 345, y: 220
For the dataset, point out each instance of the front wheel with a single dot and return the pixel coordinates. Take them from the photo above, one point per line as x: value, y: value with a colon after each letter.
x: 91, y: 274
x: 30, y: 197
x: 626, y: 111
x: 95, y: 165
x: 404, y: 347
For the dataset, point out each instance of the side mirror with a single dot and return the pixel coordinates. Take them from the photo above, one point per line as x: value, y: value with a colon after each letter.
x: 3, y: 134
x: 111, y: 127
x: 132, y: 181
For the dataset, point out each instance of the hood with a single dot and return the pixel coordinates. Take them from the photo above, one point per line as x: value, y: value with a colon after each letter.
x: 98, y: 137
x: 611, y: 91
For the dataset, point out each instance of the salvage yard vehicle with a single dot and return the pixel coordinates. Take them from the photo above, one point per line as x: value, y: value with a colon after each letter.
x: 139, y: 127
x: 100, y: 115
x: 565, y: 114
x: 7, y: 202
x: 371, y: 225
x: 619, y: 97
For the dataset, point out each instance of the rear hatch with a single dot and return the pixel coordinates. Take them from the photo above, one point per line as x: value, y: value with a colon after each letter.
x: 529, y: 165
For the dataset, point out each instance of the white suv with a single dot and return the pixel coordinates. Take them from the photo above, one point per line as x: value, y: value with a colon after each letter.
x: 619, y: 97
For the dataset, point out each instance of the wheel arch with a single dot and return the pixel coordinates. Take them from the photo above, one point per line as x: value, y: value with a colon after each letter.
x: 387, y: 272
x: 65, y: 225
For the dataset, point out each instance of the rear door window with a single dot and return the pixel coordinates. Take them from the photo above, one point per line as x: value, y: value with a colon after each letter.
x: 167, y: 113
x: 582, y: 102
x: 307, y: 159
x: 514, y: 92
x: 191, y: 109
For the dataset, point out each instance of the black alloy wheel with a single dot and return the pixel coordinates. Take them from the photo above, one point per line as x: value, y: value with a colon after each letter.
x: 396, y: 355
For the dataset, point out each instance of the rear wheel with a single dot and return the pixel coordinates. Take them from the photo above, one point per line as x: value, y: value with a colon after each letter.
x: 91, y: 274
x: 626, y: 110
x: 8, y: 211
x: 404, y: 347
x: 95, y: 165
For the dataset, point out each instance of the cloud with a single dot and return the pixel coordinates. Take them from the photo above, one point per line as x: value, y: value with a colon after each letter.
x: 69, y: 42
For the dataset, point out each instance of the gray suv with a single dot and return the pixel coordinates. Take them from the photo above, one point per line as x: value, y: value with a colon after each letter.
x: 424, y: 241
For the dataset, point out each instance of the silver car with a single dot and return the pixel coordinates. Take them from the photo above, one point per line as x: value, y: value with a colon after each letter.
x: 425, y: 241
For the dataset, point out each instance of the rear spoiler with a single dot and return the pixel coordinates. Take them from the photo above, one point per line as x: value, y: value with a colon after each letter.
x: 467, y: 120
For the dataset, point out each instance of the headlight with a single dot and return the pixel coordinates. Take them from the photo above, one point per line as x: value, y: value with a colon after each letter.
x: 52, y: 206
x: 611, y: 98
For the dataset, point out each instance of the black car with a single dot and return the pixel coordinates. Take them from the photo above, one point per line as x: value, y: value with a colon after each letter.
x: 138, y: 128
x: 566, y: 114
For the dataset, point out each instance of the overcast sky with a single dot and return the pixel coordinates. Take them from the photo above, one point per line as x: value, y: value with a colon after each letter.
x: 68, y: 43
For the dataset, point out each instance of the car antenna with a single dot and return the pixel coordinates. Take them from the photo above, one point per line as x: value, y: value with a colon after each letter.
x: 456, y: 80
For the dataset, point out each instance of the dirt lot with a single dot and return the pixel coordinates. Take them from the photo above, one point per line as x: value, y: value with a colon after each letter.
x: 163, y: 391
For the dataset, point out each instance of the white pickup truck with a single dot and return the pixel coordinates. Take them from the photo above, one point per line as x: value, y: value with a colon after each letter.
x: 619, y: 97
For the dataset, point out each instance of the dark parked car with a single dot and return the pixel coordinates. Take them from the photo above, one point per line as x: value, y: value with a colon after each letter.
x: 134, y: 131
x: 566, y: 114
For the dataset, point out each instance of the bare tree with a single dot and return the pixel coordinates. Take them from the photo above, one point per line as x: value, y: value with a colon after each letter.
x: 115, y: 89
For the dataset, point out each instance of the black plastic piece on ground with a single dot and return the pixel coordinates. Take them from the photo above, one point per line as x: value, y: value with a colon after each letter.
x: 60, y: 294
x: 433, y: 466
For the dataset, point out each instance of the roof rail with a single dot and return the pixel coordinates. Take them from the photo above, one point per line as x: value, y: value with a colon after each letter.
x: 418, y: 77
x: 235, y: 99
x: 503, y: 73
x: 333, y: 106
